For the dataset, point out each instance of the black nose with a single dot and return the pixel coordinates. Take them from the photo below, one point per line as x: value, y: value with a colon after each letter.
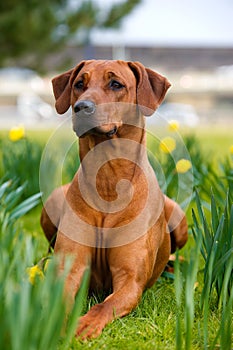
x: 85, y: 106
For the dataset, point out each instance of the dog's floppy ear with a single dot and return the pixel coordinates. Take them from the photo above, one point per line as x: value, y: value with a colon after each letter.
x: 151, y: 88
x: 62, y: 88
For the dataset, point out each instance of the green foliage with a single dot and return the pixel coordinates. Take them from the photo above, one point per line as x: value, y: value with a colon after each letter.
x: 9, y: 202
x: 22, y: 29
x: 24, y: 33
x: 216, y: 248
x: 189, y: 274
x: 209, y: 175
x: 32, y: 316
x: 21, y: 160
x: 215, y: 241
x: 71, y: 164
x: 170, y: 314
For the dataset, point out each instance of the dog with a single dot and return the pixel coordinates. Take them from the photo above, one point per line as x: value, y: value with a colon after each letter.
x: 113, y: 216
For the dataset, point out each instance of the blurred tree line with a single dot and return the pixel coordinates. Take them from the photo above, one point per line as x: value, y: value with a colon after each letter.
x: 32, y: 29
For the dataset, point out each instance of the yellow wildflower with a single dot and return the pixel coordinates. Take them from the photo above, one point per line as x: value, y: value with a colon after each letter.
x: 16, y: 133
x: 33, y: 272
x: 231, y: 149
x: 183, y: 165
x: 167, y: 144
x: 173, y: 125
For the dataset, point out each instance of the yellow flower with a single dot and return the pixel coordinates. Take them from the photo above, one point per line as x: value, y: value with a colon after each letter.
x: 16, y: 133
x: 231, y: 149
x: 183, y: 165
x: 173, y: 125
x: 33, y: 272
x: 167, y: 145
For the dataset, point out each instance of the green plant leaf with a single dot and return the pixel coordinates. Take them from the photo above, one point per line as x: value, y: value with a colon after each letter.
x: 214, y: 213
x: 25, y: 206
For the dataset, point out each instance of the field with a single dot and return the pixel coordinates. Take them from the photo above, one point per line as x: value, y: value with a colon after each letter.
x: 190, y: 308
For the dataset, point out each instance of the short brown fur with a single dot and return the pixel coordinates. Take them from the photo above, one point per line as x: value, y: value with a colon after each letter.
x: 127, y: 269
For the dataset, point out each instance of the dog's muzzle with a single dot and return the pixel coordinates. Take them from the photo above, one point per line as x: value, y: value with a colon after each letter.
x: 85, y: 120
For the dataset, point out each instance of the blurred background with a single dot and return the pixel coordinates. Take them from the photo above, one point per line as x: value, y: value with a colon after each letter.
x: 190, y: 42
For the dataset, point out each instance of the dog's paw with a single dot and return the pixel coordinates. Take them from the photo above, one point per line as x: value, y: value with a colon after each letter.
x: 88, y: 329
x: 91, y: 324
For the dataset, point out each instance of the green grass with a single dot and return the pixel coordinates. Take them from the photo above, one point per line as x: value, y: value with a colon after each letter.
x: 150, y: 326
x: 153, y: 324
x: 215, y: 140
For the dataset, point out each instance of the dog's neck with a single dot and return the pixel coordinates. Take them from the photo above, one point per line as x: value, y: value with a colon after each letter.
x: 126, y: 132
x: 106, y: 161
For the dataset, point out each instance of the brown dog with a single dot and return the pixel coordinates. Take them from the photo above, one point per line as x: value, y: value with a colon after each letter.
x: 113, y: 215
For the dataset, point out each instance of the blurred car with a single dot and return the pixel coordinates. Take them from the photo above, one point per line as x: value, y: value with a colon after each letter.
x: 185, y: 114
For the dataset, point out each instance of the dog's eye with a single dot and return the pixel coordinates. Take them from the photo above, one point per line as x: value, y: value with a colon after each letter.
x: 79, y: 85
x: 115, y: 85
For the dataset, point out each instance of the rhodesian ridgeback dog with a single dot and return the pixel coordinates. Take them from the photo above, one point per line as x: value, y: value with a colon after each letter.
x: 113, y: 216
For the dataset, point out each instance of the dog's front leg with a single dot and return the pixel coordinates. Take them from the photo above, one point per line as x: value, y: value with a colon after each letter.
x: 118, y: 304
x: 129, y: 277
x: 80, y: 256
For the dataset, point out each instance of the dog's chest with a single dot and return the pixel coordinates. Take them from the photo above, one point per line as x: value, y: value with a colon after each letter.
x: 100, y: 272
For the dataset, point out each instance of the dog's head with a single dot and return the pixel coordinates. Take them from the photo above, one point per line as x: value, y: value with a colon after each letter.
x: 104, y: 93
